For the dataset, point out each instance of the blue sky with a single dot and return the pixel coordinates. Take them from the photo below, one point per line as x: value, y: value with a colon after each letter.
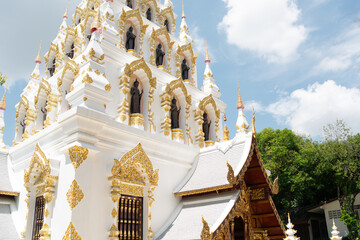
x: 297, y: 62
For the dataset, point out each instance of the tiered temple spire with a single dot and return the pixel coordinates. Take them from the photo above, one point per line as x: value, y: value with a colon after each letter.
x: 209, y: 86
x: 184, y: 30
x: 241, y: 123
x: 335, y: 232
x: 290, y: 232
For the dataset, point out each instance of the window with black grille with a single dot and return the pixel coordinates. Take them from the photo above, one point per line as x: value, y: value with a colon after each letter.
x: 38, y: 217
x: 130, y: 218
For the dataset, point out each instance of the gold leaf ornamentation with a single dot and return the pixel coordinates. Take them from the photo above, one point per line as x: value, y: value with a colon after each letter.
x: 71, y: 233
x: 78, y: 155
x: 114, y: 213
x: 205, y: 232
x: 74, y: 195
x: 230, y: 175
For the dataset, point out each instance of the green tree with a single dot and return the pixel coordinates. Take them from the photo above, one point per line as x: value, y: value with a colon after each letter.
x: 342, y: 151
x: 3, y: 79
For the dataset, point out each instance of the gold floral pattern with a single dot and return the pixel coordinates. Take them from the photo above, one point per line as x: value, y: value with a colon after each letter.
x: 71, y: 233
x: 78, y: 155
x: 74, y: 195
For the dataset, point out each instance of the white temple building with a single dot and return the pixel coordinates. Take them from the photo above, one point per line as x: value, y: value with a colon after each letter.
x: 116, y: 140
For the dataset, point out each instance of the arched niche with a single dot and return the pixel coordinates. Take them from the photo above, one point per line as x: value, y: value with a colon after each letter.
x: 21, y: 119
x: 88, y: 17
x: 133, y: 174
x: 207, y: 105
x: 42, y: 107
x: 140, y: 70
x: 152, y: 4
x: 51, y: 60
x: 186, y: 52
x: 70, y: 43
x: 93, y: 4
x: 39, y: 181
x: 161, y: 36
x: 133, y: 18
x: 168, y: 14
x: 69, y: 73
x: 178, y: 89
x: 77, y: 17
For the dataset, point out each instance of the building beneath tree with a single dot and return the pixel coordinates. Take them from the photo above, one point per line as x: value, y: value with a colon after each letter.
x: 116, y: 140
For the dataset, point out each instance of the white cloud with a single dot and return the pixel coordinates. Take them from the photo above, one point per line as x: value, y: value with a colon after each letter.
x: 341, y: 53
x: 268, y: 27
x: 200, y: 43
x: 308, y: 110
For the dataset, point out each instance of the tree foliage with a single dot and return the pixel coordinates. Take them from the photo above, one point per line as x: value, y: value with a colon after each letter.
x: 3, y: 79
x: 311, y: 172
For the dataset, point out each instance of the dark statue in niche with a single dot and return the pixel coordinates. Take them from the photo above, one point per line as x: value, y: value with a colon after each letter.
x: 135, y: 98
x: 71, y: 53
x: 44, y: 111
x: 22, y: 124
x: 89, y: 36
x: 52, y: 68
x: 159, y: 56
x: 129, y: 3
x: 148, y: 14
x: 130, y: 39
x: 175, y: 113
x: 206, y: 126
x: 184, y: 70
x: 166, y: 24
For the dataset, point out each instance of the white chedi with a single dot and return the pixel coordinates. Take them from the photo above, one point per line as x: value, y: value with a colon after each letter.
x: 335, y: 232
x: 290, y: 232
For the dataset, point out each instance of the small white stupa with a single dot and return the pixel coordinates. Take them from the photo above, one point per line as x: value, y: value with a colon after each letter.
x: 290, y: 232
x: 335, y: 232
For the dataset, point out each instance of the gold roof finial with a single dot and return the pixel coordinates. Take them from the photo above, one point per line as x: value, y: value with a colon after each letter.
x: 183, y: 11
x: 253, y: 126
x: 66, y: 14
x: 38, y: 57
x: 240, y: 103
x: 3, y: 102
x: 226, y: 130
x: 96, y: 24
x: 207, y: 57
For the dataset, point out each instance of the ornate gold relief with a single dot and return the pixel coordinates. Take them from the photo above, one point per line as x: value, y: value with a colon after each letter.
x: 71, y: 233
x: 187, y: 52
x: 230, y: 175
x: 78, y: 155
x: 205, y: 232
x: 130, y: 175
x: 114, y: 213
x: 209, y: 100
x: 161, y: 35
x: 167, y: 13
x: 257, y: 194
x: 74, y: 194
x: 165, y: 104
x: 135, y: 18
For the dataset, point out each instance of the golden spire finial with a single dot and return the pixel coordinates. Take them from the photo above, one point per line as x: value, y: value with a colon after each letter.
x: 240, y: 103
x: 207, y: 57
x: 253, y: 126
x: 96, y: 24
x: 66, y: 14
x: 38, y: 57
x: 226, y: 130
x: 3, y: 101
x: 183, y: 11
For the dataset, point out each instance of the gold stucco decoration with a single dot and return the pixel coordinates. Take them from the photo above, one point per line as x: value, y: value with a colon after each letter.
x: 186, y: 51
x: 74, y: 194
x: 167, y: 13
x: 205, y: 232
x: 78, y: 155
x: 71, y: 233
x: 230, y: 175
x: 162, y: 36
x: 134, y: 175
